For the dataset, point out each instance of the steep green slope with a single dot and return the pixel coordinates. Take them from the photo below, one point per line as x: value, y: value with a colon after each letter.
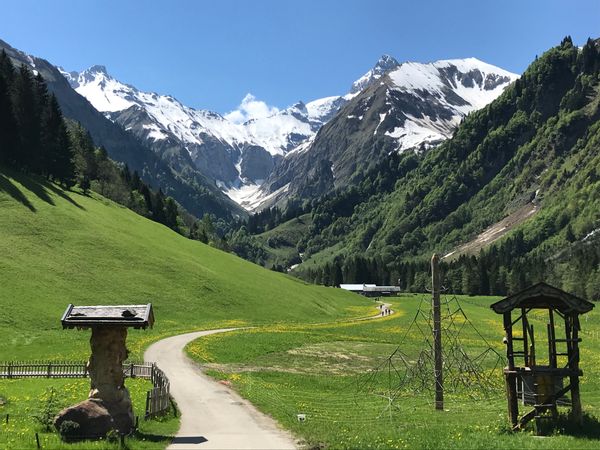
x: 538, y: 142
x: 60, y: 247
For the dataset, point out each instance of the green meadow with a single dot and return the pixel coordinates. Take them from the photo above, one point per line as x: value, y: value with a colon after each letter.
x: 26, y: 398
x: 307, y: 355
x: 60, y: 247
x: 340, y: 376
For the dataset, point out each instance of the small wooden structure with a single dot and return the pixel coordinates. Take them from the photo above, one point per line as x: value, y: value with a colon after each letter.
x: 130, y: 316
x: 541, y: 383
x: 109, y: 326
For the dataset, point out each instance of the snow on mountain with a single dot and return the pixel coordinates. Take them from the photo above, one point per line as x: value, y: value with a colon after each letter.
x: 171, y: 117
x: 239, y: 154
x: 384, y: 65
x: 398, y: 107
x: 455, y: 86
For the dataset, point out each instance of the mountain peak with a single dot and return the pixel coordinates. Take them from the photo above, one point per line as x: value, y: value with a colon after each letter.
x: 382, y: 66
x: 386, y: 63
x: 97, y: 69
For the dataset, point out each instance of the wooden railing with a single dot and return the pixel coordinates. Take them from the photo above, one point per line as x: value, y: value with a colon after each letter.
x: 65, y: 369
x: 158, y: 400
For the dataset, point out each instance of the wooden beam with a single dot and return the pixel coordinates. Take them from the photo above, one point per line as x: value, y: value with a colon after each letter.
x: 574, y: 365
x: 550, y: 400
x: 511, y: 376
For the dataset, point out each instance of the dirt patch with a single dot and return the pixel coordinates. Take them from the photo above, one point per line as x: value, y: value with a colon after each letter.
x: 494, y: 232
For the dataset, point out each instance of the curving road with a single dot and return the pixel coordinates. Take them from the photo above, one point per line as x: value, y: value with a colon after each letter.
x: 212, y: 415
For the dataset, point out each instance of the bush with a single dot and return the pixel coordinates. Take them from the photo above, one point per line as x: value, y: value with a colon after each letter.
x: 48, y: 409
x: 69, y: 431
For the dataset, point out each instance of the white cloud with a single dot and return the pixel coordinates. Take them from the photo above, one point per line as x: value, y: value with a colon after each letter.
x: 251, y: 108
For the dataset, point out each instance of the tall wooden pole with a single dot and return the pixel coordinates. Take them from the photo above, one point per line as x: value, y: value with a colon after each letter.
x: 437, y: 332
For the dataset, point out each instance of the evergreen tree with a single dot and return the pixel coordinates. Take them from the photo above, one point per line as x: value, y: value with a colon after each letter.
x: 8, y: 135
x: 58, y: 155
x: 158, y: 207
x: 27, y: 119
x: 171, y: 214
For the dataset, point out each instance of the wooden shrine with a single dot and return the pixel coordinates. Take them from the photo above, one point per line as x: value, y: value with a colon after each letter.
x: 109, y: 404
x: 547, y: 374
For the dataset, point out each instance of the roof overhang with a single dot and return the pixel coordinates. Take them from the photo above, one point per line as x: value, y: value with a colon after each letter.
x: 543, y: 296
x: 130, y: 316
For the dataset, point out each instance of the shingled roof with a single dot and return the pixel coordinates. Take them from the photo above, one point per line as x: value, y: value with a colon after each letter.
x: 542, y: 295
x: 135, y: 316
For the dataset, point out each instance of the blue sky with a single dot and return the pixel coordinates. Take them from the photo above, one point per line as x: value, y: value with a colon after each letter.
x: 210, y: 54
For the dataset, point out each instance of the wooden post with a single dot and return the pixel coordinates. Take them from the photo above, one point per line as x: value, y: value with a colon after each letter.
x: 147, y: 415
x: 510, y: 375
x: 437, y: 332
x: 574, y: 366
x: 525, y: 322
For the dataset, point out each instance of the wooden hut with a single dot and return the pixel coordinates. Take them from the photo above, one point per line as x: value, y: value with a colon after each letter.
x: 540, y: 380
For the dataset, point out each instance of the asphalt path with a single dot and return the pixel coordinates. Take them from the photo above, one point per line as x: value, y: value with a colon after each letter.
x: 213, y: 416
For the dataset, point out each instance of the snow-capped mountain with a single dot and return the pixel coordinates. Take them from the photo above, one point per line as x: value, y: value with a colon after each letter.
x: 424, y: 102
x: 237, y: 156
x: 194, y: 191
x: 413, y: 106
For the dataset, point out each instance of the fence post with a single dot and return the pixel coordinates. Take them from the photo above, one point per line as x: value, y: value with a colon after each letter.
x: 147, y: 406
x: 10, y: 370
x: 131, y: 375
x: 37, y: 440
x: 49, y: 369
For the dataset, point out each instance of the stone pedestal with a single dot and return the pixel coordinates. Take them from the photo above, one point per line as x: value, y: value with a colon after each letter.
x: 107, y: 387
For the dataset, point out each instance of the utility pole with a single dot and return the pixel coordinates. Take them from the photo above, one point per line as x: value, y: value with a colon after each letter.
x: 437, y: 331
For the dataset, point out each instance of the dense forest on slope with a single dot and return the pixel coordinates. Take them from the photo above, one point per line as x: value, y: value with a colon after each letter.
x: 36, y: 139
x: 537, y: 143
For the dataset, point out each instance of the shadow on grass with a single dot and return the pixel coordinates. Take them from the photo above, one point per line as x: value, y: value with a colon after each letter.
x: 588, y: 429
x: 14, y: 192
x: 153, y: 437
x: 62, y: 194
x: 36, y: 187
x: 39, y: 187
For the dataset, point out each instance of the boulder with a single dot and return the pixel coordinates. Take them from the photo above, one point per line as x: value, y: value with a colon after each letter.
x: 93, y: 419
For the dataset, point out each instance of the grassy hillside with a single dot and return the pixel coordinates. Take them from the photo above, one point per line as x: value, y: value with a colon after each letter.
x: 280, y: 243
x: 62, y: 247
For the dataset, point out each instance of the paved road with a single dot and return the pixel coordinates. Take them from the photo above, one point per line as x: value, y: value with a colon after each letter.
x: 212, y: 415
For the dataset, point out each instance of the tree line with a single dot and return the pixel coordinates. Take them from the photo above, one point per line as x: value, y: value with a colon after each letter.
x: 33, y: 134
x: 36, y: 139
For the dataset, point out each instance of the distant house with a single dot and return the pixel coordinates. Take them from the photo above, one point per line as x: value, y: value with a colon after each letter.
x: 371, y: 290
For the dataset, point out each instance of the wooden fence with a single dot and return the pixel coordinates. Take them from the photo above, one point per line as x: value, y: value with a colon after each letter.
x: 158, y: 400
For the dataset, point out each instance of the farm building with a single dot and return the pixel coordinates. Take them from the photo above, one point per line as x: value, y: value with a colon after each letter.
x: 371, y: 290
